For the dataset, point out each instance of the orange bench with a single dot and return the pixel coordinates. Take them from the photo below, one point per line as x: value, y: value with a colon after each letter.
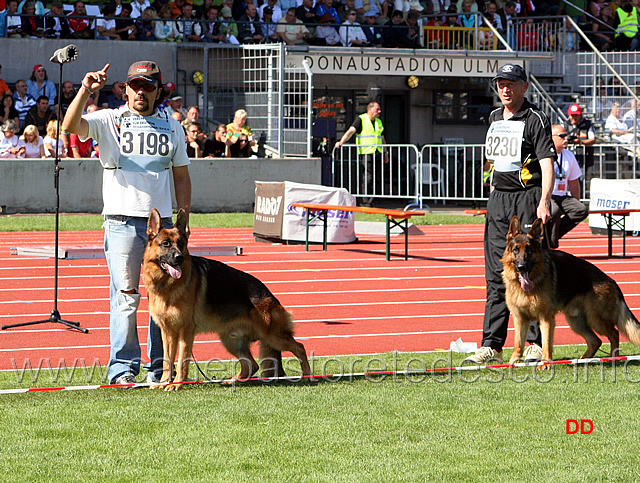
x: 394, y: 218
x: 617, y: 222
x: 476, y: 212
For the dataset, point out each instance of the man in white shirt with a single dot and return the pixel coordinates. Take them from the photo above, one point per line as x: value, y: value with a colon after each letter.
x: 275, y: 10
x: 138, y: 7
x: 566, y: 209
x: 21, y: 100
x: 351, y: 32
x: 141, y: 150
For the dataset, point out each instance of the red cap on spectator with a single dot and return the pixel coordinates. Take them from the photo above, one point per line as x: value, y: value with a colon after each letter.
x: 575, y: 109
x: 36, y: 67
x: 170, y: 86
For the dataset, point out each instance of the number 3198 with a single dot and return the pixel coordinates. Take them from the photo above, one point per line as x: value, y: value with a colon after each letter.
x: 145, y: 143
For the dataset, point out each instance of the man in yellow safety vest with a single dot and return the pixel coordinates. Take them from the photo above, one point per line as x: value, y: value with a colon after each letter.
x: 626, y: 24
x: 370, y: 140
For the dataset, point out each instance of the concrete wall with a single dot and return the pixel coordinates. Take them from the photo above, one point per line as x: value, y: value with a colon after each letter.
x: 26, y: 186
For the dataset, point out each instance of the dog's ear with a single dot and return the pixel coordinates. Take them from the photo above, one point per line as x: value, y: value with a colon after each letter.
x: 181, y: 222
x: 154, y: 224
x: 514, y: 228
x: 537, y: 230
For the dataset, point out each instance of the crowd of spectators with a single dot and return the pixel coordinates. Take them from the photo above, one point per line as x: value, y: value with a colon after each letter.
x: 379, y: 23
x: 29, y: 121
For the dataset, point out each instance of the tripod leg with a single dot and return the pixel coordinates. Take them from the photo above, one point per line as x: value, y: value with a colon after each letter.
x: 54, y: 317
x: 22, y: 324
x: 74, y: 325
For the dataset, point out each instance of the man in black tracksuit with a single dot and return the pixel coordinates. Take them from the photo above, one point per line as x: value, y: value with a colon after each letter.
x: 520, y: 148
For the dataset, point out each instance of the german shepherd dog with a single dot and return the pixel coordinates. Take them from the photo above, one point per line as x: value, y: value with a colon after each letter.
x: 540, y: 283
x: 189, y: 295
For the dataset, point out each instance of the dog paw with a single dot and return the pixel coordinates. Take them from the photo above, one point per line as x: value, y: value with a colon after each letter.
x: 544, y: 366
x: 172, y: 387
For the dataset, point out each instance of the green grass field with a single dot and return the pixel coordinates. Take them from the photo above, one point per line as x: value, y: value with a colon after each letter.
x: 490, y: 425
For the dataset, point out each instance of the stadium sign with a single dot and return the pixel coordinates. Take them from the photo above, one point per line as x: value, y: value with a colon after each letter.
x: 377, y: 64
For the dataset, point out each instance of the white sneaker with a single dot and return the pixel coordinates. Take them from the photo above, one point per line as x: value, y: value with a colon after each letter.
x: 127, y: 381
x: 533, y: 353
x: 484, y: 355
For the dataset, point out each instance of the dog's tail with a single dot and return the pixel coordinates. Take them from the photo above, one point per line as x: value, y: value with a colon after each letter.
x: 627, y: 322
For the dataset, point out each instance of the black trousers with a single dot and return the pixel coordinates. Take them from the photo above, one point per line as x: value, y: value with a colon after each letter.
x: 566, y: 213
x: 370, y: 176
x: 501, y: 207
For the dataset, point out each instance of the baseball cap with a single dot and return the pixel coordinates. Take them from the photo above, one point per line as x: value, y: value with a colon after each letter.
x: 146, y: 70
x: 176, y: 96
x: 371, y: 13
x: 267, y: 10
x: 512, y: 72
x: 170, y: 86
x: 575, y: 109
x: 226, y: 12
x: 36, y: 67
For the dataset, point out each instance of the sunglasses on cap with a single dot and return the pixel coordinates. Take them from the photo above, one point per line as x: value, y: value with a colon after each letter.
x: 138, y: 84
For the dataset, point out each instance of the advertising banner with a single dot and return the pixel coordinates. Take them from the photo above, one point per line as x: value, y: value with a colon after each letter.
x: 274, y: 216
x: 615, y: 194
x: 268, y: 210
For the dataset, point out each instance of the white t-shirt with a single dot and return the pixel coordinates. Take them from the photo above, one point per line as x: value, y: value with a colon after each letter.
x: 52, y: 141
x: 6, y: 144
x: 107, y: 24
x: 137, y: 154
x: 32, y: 150
x: 567, y: 169
x: 613, y: 122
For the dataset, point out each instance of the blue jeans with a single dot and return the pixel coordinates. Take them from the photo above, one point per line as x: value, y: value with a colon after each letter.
x: 125, y: 239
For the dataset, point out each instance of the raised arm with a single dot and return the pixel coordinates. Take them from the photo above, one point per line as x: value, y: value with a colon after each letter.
x: 73, y: 120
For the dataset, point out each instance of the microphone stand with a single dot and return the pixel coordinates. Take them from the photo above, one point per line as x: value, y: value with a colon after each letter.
x: 55, y: 314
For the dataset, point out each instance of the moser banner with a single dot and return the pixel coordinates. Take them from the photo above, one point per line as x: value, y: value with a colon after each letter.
x: 615, y: 194
x: 274, y: 217
x: 377, y: 64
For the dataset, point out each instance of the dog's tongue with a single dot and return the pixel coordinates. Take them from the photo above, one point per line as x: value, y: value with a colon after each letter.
x: 525, y: 283
x: 174, y: 272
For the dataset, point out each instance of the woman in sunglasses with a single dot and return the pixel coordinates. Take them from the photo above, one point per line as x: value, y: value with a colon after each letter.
x: 141, y: 149
x: 241, y: 149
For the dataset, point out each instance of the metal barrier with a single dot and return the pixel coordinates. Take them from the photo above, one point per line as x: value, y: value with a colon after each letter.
x: 459, y: 38
x: 456, y: 172
x: 606, y: 161
x: 391, y: 180
x: 256, y: 78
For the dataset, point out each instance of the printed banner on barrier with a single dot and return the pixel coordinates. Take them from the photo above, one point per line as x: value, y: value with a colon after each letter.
x: 340, y: 224
x: 274, y: 217
x: 615, y: 194
x: 268, y: 210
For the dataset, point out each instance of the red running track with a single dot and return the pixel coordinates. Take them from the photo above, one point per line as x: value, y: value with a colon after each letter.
x: 348, y: 300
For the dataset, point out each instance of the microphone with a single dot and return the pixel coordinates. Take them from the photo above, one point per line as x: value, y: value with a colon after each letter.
x: 65, y: 55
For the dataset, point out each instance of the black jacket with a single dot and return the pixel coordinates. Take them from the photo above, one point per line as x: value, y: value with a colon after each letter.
x: 53, y: 30
x: 34, y: 118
